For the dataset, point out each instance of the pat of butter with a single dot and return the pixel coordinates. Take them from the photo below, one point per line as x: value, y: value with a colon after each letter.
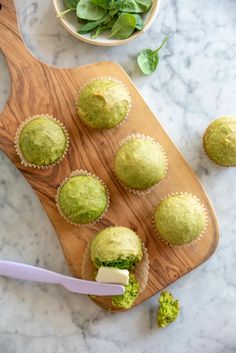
x: 112, y: 275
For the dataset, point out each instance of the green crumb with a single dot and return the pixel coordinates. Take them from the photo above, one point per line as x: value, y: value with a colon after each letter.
x: 121, y: 263
x: 127, y: 300
x: 169, y: 309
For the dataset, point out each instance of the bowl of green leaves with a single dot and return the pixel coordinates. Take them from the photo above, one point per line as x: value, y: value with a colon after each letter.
x: 106, y: 22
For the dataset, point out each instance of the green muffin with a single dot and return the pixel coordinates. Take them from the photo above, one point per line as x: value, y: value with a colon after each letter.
x: 103, y: 103
x: 82, y: 199
x: 116, y: 247
x: 140, y: 163
x: 42, y: 141
x: 127, y: 300
x: 179, y: 219
x: 220, y: 141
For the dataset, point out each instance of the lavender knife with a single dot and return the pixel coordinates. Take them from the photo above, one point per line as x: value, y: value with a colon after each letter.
x: 36, y: 274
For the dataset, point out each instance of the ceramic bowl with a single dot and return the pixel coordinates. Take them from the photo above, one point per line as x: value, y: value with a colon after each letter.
x: 70, y: 22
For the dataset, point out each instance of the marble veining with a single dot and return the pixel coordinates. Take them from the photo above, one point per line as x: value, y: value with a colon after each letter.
x: 194, y: 84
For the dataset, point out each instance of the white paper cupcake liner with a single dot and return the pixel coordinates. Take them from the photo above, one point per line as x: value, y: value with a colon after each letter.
x: 17, y: 145
x: 77, y: 173
x: 111, y: 78
x: 193, y: 242
x: 141, y: 270
x: 147, y: 138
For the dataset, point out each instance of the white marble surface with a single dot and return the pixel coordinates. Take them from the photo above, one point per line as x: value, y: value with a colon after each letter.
x: 194, y: 84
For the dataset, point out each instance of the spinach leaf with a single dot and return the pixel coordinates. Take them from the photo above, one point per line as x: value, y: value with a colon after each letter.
x: 124, y: 26
x: 111, y: 15
x: 88, y: 11
x: 105, y: 4
x: 134, y: 6
x: 131, y: 6
x: 89, y: 26
x: 139, y: 22
x: 148, y: 59
x: 70, y: 6
x: 111, y: 23
x: 100, y: 30
x: 144, y: 5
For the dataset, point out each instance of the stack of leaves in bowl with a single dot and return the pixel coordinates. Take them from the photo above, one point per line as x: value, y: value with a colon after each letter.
x: 121, y: 18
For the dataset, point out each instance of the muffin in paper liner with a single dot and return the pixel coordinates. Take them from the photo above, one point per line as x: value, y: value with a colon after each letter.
x: 141, y: 271
x: 84, y: 173
x: 110, y: 78
x: 215, y: 163
x: 17, y: 141
x: 139, y: 136
x: 191, y: 243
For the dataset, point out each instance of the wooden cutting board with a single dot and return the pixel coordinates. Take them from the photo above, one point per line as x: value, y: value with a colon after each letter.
x: 38, y: 88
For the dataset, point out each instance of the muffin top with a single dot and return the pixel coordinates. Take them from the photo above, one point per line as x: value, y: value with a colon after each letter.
x: 42, y: 141
x: 140, y: 163
x: 116, y: 247
x: 103, y: 103
x: 220, y: 141
x: 179, y: 219
x: 82, y: 199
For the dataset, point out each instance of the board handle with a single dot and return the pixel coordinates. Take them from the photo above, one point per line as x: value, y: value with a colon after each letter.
x: 11, y: 42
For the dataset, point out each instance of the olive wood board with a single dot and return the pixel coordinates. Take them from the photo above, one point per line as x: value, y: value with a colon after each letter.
x: 38, y: 88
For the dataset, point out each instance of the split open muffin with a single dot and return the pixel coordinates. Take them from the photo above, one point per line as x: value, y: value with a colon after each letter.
x: 103, y: 103
x: 41, y: 141
x: 118, y: 248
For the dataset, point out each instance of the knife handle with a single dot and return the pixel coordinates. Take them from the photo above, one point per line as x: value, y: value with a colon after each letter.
x: 28, y: 273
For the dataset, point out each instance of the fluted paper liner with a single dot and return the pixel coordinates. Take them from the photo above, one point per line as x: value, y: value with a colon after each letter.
x: 141, y: 270
x: 111, y: 78
x: 79, y: 172
x: 143, y: 137
x: 17, y: 144
x: 193, y: 242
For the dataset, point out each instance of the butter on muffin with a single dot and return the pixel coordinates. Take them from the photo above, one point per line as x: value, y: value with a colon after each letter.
x: 41, y: 141
x: 140, y: 163
x: 219, y: 141
x: 118, y: 248
x: 180, y: 218
x: 103, y: 103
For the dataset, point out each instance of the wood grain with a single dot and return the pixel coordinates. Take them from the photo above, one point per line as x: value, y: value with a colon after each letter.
x: 37, y: 88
